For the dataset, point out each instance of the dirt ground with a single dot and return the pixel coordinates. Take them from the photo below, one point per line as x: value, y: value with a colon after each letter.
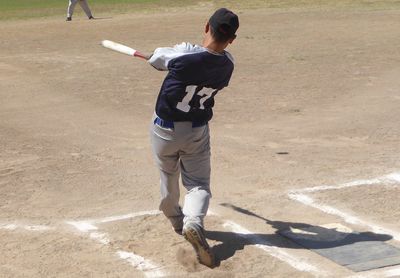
x: 314, y: 100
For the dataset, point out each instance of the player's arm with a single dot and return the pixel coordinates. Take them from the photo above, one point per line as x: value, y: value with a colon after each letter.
x: 163, y: 55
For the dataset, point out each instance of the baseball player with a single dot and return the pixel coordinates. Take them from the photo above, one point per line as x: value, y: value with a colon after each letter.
x: 84, y: 5
x: 180, y: 132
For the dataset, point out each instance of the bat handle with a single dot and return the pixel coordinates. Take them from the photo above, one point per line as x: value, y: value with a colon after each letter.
x: 141, y: 55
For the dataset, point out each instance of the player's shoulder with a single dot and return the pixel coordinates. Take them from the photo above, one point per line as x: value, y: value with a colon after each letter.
x: 186, y: 47
x: 230, y: 57
x: 191, y: 55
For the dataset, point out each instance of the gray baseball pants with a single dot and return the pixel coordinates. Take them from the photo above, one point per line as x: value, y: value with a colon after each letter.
x: 84, y: 5
x: 184, y: 151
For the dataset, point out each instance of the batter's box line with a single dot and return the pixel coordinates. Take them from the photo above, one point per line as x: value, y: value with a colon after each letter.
x: 392, y: 272
x: 88, y: 227
x: 300, y: 196
x: 31, y: 228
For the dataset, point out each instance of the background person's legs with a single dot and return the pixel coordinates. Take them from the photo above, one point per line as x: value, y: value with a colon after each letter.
x: 71, y: 7
x: 86, y: 8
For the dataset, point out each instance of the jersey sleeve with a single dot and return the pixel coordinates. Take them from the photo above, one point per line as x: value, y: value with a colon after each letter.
x: 163, y: 55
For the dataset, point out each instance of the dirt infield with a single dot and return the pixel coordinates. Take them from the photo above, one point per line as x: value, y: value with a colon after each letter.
x: 314, y: 100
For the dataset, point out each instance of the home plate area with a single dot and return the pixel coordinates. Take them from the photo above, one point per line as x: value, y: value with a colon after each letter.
x: 362, y: 204
x: 358, y: 251
x: 146, y: 241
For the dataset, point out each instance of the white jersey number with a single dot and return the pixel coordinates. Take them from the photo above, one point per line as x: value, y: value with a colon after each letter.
x: 191, y: 91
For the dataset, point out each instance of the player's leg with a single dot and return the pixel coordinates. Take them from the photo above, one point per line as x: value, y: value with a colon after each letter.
x: 71, y: 7
x: 165, y: 152
x: 196, y: 170
x: 86, y: 8
x: 195, y: 167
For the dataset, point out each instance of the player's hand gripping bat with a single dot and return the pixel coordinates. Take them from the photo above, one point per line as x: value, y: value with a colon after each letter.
x: 124, y: 49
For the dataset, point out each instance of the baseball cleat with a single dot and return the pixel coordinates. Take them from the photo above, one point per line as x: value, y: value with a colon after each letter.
x: 195, y: 235
x: 69, y: 18
x: 177, y: 223
x: 178, y: 231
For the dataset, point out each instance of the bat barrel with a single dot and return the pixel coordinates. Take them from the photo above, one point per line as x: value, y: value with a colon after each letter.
x: 118, y: 47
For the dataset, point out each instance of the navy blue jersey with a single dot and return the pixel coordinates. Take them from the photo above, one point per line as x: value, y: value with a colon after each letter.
x: 194, y: 77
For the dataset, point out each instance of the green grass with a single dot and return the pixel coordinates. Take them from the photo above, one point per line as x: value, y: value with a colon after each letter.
x: 317, y: 4
x: 15, y: 5
x: 18, y: 9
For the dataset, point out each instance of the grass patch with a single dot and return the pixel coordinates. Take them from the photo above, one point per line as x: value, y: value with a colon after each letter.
x: 16, y: 9
x: 318, y: 4
x: 21, y: 9
x: 16, y: 5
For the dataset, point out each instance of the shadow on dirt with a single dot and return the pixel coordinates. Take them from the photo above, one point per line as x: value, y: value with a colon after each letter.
x: 314, y: 237
x: 102, y: 18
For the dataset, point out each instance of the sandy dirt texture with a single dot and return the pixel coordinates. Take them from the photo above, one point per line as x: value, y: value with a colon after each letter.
x: 314, y: 100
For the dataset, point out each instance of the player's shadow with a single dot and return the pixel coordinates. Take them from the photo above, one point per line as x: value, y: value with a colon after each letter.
x: 309, y: 236
x: 102, y: 18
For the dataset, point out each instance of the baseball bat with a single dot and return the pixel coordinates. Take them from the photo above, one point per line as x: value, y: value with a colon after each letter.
x: 123, y: 49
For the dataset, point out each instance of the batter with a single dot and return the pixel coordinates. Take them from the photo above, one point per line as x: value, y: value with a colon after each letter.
x: 180, y: 131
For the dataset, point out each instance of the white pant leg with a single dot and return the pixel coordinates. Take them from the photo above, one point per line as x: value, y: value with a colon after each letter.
x: 196, y: 205
x: 85, y: 7
x: 184, y: 150
x: 165, y: 150
x: 71, y: 7
x: 195, y: 171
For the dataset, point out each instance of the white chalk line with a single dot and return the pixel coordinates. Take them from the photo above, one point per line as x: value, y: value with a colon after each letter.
x: 394, y: 272
x: 152, y: 270
x: 149, y: 268
x: 351, y: 219
x: 390, y: 179
x: 82, y: 226
x: 31, y: 228
x: 274, y: 251
x: 393, y: 178
x: 125, y: 216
